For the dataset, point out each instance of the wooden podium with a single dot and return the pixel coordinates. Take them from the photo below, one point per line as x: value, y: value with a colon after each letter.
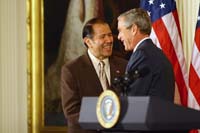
x: 142, y: 114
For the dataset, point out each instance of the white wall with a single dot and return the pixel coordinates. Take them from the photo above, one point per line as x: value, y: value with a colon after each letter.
x: 13, y: 81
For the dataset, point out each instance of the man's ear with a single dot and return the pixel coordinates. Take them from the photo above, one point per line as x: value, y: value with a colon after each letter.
x: 87, y: 41
x: 134, y: 29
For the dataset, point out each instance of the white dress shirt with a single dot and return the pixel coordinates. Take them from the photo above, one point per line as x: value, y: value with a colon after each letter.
x: 95, y: 62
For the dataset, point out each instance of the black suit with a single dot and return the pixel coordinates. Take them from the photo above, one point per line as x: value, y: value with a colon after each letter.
x: 157, y: 78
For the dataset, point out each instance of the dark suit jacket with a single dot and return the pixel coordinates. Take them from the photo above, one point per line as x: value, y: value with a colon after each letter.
x: 78, y: 79
x: 157, y: 79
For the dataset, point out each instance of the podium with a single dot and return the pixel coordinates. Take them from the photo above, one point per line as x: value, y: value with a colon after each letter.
x: 143, y: 113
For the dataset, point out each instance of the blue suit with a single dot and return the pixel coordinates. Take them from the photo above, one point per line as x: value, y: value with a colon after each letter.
x: 155, y: 78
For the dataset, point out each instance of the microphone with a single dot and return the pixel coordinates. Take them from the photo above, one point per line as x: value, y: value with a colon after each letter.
x: 122, y: 82
x: 135, y: 74
x: 118, y: 81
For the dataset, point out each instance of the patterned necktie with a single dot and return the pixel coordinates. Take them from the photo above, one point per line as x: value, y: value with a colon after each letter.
x: 102, y: 76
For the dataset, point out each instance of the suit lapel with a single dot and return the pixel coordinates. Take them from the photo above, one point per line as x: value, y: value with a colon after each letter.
x: 92, y: 75
x: 114, y: 71
x: 137, y: 57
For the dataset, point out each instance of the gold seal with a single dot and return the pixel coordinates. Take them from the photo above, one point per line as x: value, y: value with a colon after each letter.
x: 108, y: 109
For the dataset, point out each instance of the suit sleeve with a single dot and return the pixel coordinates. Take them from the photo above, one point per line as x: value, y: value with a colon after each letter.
x: 71, y: 100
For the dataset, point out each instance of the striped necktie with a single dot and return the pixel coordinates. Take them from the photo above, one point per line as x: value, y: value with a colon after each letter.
x: 102, y: 76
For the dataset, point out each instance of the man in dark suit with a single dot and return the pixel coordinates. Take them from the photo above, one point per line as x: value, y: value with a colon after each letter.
x: 149, y: 70
x: 80, y: 77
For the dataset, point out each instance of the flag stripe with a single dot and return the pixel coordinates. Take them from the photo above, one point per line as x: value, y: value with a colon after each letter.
x: 196, y: 59
x: 167, y: 47
x: 154, y: 38
x: 174, y: 33
x: 192, y: 102
x: 175, y: 14
x: 194, y: 83
x: 197, y: 38
x: 194, y: 72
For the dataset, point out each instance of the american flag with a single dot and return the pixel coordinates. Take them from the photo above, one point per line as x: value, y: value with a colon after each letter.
x: 194, y: 72
x: 167, y: 36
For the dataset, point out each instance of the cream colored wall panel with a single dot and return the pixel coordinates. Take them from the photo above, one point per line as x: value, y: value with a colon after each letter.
x: 1, y: 55
x: 22, y: 67
x: 13, y: 86
x: 9, y: 97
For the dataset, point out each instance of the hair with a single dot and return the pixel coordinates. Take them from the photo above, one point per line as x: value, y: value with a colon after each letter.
x: 88, y: 30
x: 139, y: 17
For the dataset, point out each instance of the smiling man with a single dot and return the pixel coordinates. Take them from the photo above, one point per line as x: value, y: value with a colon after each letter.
x: 152, y: 70
x: 81, y: 77
x: 156, y: 76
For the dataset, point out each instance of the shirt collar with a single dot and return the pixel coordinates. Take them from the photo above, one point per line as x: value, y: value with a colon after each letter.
x: 95, y: 60
x: 140, y: 43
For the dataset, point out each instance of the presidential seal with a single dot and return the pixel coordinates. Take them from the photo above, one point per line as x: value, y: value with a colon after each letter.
x: 108, y: 109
